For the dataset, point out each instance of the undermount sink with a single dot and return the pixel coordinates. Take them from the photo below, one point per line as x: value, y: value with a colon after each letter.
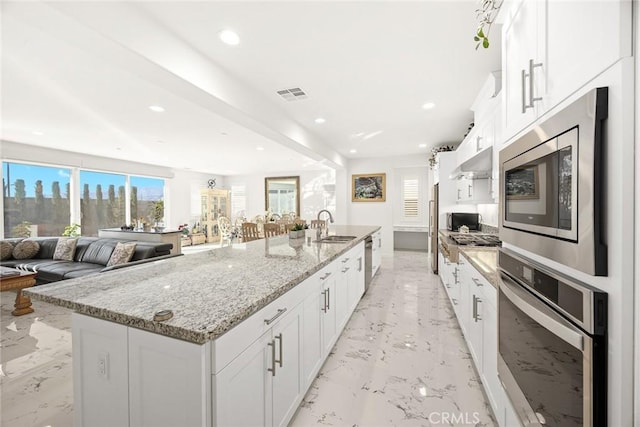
x: 336, y: 239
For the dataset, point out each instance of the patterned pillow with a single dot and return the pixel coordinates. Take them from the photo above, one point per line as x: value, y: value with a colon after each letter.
x: 122, y: 253
x: 26, y: 249
x: 6, y: 249
x: 65, y: 248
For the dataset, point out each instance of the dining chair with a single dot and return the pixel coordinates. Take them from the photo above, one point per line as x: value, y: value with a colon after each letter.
x: 250, y: 232
x: 271, y: 229
x: 259, y: 220
x: 224, y: 227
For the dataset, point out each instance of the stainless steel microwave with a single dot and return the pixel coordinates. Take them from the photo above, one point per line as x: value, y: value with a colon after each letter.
x: 552, y: 181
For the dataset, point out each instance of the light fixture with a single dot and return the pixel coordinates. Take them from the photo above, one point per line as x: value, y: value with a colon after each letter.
x: 260, y: 148
x: 320, y: 120
x: 372, y: 134
x: 422, y: 145
x: 229, y: 37
x: 156, y: 108
x: 428, y: 105
x: 353, y: 150
x: 37, y: 132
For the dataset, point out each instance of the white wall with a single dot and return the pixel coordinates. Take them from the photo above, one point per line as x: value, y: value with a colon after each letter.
x: 317, y: 192
x: 182, y: 196
x: 489, y: 214
x: 380, y: 213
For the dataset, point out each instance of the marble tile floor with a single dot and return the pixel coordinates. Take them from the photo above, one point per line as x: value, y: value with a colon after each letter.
x: 401, y: 361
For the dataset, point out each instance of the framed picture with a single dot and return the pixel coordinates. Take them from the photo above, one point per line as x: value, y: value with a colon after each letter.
x: 370, y: 187
x: 523, y: 183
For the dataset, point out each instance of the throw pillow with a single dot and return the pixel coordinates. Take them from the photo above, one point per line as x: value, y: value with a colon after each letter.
x: 26, y: 249
x: 65, y: 248
x: 6, y: 249
x: 122, y: 253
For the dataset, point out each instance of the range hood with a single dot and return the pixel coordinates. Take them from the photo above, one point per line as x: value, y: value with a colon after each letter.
x: 477, y: 167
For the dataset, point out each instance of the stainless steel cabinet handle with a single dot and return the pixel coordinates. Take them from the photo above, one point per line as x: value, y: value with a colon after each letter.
x: 272, y: 369
x: 279, y: 338
x: 455, y: 301
x: 478, y: 139
x: 458, y: 194
x: 475, y: 308
x: 360, y: 264
x: 476, y: 281
x: 278, y: 314
x: 531, y: 97
x: 325, y: 276
x: 469, y: 190
x: 324, y: 306
x: 328, y: 299
x: 379, y: 243
x: 524, y: 92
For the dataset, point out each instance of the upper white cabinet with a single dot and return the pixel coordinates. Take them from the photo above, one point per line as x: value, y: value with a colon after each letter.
x: 553, y: 47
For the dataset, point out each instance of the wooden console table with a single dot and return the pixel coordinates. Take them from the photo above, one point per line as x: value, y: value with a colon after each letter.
x: 9, y: 281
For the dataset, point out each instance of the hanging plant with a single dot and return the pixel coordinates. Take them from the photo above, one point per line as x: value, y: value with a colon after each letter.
x: 486, y: 15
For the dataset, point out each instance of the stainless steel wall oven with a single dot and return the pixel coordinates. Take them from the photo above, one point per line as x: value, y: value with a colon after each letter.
x: 552, y: 345
x: 551, y: 196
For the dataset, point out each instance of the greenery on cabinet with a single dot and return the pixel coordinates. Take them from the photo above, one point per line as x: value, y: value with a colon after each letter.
x: 486, y: 15
x: 435, y: 151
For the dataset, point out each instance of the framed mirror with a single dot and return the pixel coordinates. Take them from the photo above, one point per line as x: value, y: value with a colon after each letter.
x: 282, y: 194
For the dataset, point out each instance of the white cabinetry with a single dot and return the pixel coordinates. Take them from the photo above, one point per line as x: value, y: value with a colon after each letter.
x: 547, y: 56
x: 376, y: 252
x: 474, y: 191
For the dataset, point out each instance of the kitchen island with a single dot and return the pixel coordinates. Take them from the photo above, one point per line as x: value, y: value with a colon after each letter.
x: 249, y: 327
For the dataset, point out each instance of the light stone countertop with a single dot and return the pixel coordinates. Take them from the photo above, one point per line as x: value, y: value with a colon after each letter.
x: 484, y: 259
x: 209, y: 292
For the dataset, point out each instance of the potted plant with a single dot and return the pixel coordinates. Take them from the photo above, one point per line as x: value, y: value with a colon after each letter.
x: 296, y: 231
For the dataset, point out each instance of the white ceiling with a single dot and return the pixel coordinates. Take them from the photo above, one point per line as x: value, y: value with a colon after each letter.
x: 84, y: 73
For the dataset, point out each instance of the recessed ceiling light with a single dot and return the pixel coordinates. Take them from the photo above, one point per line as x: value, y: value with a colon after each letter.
x: 260, y: 148
x: 160, y: 141
x: 223, y: 133
x: 428, y: 105
x: 37, y: 132
x: 422, y: 145
x: 353, y: 150
x: 229, y: 37
x: 156, y: 108
x: 320, y: 120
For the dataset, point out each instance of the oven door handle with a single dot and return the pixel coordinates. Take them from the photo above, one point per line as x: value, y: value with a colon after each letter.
x: 542, y: 314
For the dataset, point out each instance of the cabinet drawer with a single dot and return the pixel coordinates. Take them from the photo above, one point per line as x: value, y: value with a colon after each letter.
x: 231, y: 344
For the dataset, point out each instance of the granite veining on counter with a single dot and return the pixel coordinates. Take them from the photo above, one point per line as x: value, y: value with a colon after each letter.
x: 208, y: 292
x: 484, y: 259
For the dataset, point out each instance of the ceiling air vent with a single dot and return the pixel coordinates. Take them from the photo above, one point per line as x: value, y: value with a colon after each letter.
x: 293, y: 94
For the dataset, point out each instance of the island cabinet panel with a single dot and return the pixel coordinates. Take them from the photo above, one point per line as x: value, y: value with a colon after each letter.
x: 312, y: 323
x: 169, y: 380
x: 329, y: 319
x: 263, y: 385
x: 100, y: 372
x: 356, y: 277
x: 242, y: 390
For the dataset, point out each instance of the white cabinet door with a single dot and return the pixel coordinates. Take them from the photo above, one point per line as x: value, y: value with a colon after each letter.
x: 376, y: 253
x: 572, y: 59
x: 243, y: 388
x: 356, y: 278
x: 312, y: 350
x: 476, y: 322
x: 176, y: 397
x: 287, y: 381
x: 342, y: 292
x: 489, y: 375
x: 100, y: 372
x: 521, y: 35
x: 329, y: 325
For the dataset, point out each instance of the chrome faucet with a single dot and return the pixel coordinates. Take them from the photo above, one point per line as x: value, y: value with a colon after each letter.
x: 330, y: 220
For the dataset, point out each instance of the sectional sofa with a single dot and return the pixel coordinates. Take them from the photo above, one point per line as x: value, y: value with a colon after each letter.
x: 91, y: 255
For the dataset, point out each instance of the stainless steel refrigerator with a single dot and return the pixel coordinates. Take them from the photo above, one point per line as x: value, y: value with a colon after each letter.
x: 433, y: 229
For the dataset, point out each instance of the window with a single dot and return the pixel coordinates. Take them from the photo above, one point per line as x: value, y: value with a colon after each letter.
x: 102, y: 201
x: 36, y: 200
x: 147, y: 200
x: 238, y: 201
x: 410, y: 196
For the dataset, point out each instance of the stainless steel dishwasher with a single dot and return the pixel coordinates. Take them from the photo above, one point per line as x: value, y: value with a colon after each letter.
x: 368, y: 249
